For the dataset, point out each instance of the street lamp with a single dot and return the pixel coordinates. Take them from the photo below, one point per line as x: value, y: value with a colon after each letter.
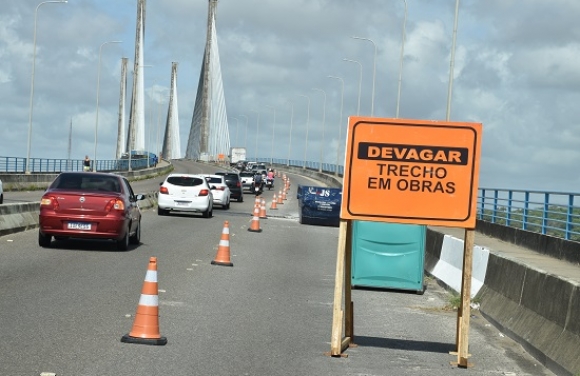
x: 257, y: 131
x: 246, y: 126
x: 97, y: 114
x: 27, y: 170
x: 237, y: 124
x: 401, y: 62
x: 359, y: 82
x: 307, y: 122
x: 323, y: 119
x: 374, y: 72
x: 339, y: 123
x: 452, y: 61
x: 273, y: 128
x: 291, y: 123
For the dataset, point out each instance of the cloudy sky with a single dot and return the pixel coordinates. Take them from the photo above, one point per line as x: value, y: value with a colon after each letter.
x: 516, y: 72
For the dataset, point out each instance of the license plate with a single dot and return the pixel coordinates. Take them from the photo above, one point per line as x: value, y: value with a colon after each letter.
x: 79, y: 226
x: 182, y: 203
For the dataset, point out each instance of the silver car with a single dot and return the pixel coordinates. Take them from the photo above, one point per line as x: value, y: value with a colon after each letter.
x: 185, y: 193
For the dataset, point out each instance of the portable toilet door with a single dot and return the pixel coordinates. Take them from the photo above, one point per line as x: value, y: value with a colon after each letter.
x: 388, y: 255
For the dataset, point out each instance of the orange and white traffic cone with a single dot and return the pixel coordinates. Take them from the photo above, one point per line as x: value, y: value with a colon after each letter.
x: 255, y: 225
x: 280, y: 197
x: 223, y: 253
x: 263, y: 210
x: 273, y: 206
x: 146, y: 325
x: 284, y: 194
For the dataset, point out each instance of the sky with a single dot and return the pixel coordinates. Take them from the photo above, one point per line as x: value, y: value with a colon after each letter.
x: 515, y: 71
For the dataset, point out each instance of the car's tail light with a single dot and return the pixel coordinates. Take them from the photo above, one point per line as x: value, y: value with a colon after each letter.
x: 204, y: 192
x: 163, y: 190
x: 238, y: 184
x: 115, y: 204
x: 49, y: 202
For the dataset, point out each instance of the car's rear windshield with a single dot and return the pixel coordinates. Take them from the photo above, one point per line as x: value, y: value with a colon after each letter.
x: 185, y: 181
x: 87, y: 182
x: 215, y: 180
x: 228, y: 176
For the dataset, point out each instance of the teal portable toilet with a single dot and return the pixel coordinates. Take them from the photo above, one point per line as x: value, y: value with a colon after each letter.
x: 388, y: 255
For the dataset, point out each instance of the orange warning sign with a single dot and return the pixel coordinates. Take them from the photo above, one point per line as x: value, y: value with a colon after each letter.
x: 411, y: 171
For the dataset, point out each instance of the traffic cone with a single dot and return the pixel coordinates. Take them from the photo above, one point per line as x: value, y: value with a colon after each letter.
x: 263, y: 210
x: 223, y: 253
x: 257, y: 202
x: 255, y: 225
x: 274, y: 206
x: 284, y: 194
x: 146, y: 325
x: 280, y: 197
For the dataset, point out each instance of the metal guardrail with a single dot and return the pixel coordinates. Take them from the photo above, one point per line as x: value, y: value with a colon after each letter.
x: 548, y: 213
x: 47, y: 165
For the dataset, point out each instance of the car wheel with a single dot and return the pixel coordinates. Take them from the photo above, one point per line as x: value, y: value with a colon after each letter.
x: 161, y: 211
x: 241, y: 198
x: 136, y: 238
x: 227, y: 205
x: 206, y: 214
x: 123, y: 244
x: 1, y: 198
x: 44, y: 240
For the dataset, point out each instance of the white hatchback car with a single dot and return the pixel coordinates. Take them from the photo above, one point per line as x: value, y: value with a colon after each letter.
x: 185, y: 193
x: 221, y: 191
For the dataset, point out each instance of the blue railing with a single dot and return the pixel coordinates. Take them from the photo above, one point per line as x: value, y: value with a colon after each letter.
x: 548, y: 213
x: 47, y: 166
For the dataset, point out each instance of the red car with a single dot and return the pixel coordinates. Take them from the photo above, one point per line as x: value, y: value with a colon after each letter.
x: 90, y: 205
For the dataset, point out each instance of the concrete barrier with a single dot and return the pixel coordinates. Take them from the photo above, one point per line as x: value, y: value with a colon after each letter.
x: 537, y: 309
x: 448, y: 268
x: 18, y: 217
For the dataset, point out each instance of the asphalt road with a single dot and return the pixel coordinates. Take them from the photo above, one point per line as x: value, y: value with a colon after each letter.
x: 64, y: 310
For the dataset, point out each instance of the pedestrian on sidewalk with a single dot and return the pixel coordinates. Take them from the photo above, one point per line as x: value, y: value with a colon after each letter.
x: 87, y: 164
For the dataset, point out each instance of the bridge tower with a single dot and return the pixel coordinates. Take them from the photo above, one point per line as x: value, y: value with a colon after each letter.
x: 122, y: 97
x: 136, y: 133
x: 198, y: 140
x: 171, y: 141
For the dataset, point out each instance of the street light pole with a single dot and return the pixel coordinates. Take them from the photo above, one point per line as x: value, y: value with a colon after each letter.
x: 246, y: 136
x: 27, y: 170
x: 291, y: 124
x: 339, y: 123
x: 257, y: 131
x: 323, y: 120
x: 452, y: 62
x: 374, y: 73
x: 307, y: 122
x: 273, y: 128
x: 401, y: 61
x: 237, y: 124
x: 359, y: 82
x: 97, y: 112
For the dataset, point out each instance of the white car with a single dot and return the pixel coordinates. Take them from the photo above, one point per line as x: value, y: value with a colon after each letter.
x: 221, y: 191
x: 247, y: 179
x: 185, y: 193
x: 1, y: 193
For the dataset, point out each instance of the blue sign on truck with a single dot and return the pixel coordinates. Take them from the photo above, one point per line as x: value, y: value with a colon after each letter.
x: 319, y: 205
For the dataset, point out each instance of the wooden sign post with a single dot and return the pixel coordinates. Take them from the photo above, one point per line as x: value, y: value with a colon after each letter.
x: 406, y: 171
